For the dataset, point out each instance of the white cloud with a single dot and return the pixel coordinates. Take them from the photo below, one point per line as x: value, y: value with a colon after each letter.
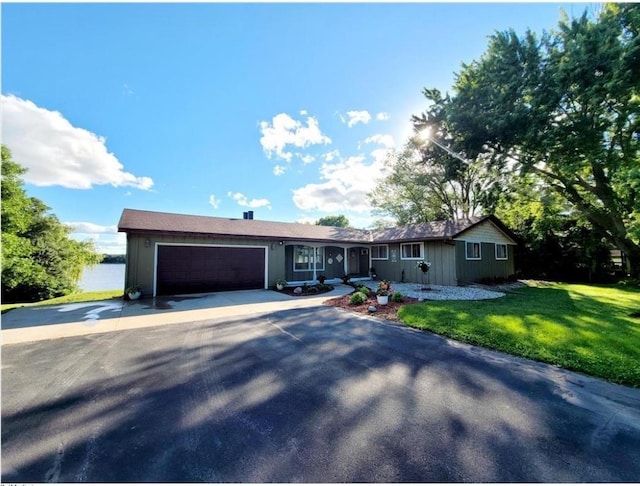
x: 57, y: 153
x: 382, y: 116
x: 380, y: 157
x: 355, y: 117
x: 346, y: 185
x: 329, y: 156
x: 306, y: 158
x: 214, y: 202
x: 242, y: 200
x: 306, y: 220
x: 386, y: 140
x: 284, y: 131
x: 106, y: 239
x: 278, y: 169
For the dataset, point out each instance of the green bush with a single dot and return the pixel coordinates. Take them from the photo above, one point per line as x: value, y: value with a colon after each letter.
x: 365, y: 290
x: 397, y: 297
x: 358, y: 298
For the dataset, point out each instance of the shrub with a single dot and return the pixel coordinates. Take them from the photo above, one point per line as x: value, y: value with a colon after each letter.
x: 397, y: 297
x: 365, y: 290
x: 358, y: 298
x: 629, y: 282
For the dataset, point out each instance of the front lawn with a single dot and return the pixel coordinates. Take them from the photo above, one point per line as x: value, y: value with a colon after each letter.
x: 586, y: 328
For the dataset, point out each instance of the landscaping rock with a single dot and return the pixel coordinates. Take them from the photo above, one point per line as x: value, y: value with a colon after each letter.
x: 372, y: 308
x: 297, y: 290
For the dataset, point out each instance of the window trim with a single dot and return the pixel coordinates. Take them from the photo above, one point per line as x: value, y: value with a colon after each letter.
x: 420, y: 257
x: 466, y: 250
x: 506, y: 251
x: 314, y: 254
x: 379, y: 258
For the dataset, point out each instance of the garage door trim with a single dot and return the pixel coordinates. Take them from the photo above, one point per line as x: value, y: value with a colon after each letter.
x: 158, y: 244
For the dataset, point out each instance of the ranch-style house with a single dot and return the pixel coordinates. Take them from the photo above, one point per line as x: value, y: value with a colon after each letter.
x: 170, y: 254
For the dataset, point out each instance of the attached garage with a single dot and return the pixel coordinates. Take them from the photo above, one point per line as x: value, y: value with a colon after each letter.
x: 185, y: 269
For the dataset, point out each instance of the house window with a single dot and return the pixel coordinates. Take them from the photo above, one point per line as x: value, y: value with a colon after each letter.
x: 501, y: 251
x: 473, y: 250
x: 411, y: 251
x: 303, y: 258
x: 380, y: 252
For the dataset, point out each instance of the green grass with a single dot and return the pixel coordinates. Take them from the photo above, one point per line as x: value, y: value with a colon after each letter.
x: 586, y: 328
x: 68, y: 299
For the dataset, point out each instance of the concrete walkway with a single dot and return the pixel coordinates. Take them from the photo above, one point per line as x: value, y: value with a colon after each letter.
x: 28, y: 324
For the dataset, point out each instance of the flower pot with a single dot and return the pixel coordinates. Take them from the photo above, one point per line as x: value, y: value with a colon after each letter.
x: 280, y: 287
x: 134, y: 295
x: 382, y: 299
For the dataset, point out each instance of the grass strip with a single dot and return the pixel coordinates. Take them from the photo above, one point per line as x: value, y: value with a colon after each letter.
x: 68, y: 299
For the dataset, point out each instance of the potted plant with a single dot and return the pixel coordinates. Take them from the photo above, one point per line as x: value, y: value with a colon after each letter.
x: 345, y: 279
x: 281, y: 284
x: 133, y: 292
x: 321, y: 279
x: 383, y: 292
x: 372, y: 273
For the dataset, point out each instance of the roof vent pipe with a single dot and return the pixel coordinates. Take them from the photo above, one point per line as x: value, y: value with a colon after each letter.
x: 249, y: 214
x: 245, y: 215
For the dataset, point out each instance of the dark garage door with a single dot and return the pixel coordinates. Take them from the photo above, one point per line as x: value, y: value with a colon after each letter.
x: 192, y: 269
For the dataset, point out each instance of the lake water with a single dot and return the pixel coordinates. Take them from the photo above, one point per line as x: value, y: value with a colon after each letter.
x: 106, y: 276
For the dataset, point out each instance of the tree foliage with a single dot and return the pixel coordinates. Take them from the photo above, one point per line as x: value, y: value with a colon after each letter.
x: 556, y: 242
x: 341, y: 221
x: 426, y: 183
x: 565, y: 106
x: 39, y: 260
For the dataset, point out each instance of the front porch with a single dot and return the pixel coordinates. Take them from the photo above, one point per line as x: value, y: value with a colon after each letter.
x: 307, y: 262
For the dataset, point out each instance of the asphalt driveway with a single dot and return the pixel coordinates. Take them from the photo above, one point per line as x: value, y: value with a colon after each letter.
x: 303, y: 395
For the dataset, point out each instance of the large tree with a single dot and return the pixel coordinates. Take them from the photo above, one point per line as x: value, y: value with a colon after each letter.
x: 566, y: 107
x: 39, y: 260
x: 427, y: 182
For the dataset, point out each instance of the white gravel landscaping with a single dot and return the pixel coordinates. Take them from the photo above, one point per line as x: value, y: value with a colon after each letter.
x: 437, y: 292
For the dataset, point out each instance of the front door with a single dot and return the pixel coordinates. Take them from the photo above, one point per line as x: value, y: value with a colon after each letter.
x: 353, y: 266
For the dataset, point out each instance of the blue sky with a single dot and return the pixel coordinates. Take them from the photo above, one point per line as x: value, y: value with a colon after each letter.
x: 215, y: 109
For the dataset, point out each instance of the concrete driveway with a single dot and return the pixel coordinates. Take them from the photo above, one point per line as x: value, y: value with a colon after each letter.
x: 28, y: 324
x: 303, y: 395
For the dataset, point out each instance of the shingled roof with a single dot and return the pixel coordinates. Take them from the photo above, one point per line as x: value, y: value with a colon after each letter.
x: 435, y: 230
x: 133, y: 220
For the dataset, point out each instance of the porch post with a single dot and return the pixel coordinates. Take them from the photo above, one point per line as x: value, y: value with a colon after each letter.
x: 315, y: 263
x: 346, y: 272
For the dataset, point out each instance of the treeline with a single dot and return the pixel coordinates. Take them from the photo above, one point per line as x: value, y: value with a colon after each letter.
x: 113, y: 258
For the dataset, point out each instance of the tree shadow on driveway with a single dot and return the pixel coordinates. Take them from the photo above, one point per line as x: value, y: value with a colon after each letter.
x: 313, y: 395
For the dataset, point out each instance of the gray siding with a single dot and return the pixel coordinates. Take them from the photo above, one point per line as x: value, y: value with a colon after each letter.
x: 487, y: 267
x: 441, y: 255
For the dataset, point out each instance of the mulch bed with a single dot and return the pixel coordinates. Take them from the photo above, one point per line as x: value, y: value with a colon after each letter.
x: 317, y: 291
x: 388, y: 312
